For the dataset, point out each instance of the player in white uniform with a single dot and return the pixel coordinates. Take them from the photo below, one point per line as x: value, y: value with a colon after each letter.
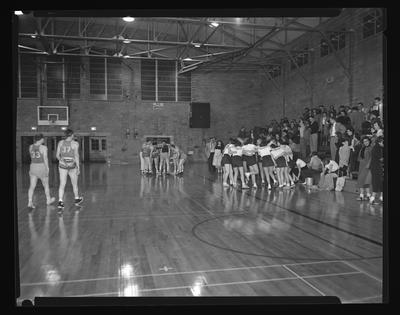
x: 237, y: 164
x: 68, y: 157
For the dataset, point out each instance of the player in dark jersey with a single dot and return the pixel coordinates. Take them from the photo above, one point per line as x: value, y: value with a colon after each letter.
x: 39, y: 169
x: 68, y: 157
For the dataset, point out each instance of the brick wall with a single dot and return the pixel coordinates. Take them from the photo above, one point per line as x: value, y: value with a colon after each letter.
x: 328, y: 82
x: 235, y: 98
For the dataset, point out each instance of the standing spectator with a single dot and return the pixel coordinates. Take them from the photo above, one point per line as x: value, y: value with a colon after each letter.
x: 356, y: 117
x: 364, y: 173
x: 313, y: 134
x: 324, y: 127
x: 376, y: 167
x: 335, y: 129
x: 210, y: 150
x: 303, y: 149
x: 355, y: 147
x: 344, y: 156
x: 377, y: 126
x: 343, y: 118
x: 218, y: 153
x: 306, y: 113
x: 332, y: 110
x: 378, y: 106
x: 307, y: 136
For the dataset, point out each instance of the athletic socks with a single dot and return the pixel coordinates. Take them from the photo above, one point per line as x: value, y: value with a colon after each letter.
x: 52, y: 199
x: 78, y: 200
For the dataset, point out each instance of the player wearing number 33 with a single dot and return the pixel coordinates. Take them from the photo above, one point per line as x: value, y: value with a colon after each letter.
x: 39, y: 169
x: 68, y: 157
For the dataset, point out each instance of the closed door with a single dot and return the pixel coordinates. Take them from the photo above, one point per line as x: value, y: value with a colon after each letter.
x: 98, y: 149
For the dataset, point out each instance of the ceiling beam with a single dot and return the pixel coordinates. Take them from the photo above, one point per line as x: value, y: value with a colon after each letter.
x: 189, y: 40
x: 234, y: 24
x: 142, y: 41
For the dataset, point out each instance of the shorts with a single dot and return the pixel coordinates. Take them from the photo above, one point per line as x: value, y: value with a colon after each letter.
x: 67, y: 171
x: 38, y: 170
x: 237, y: 161
x: 281, y: 162
x: 226, y: 159
x: 267, y: 161
x: 250, y: 160
x: 67, y: 164
x: 164, y: 155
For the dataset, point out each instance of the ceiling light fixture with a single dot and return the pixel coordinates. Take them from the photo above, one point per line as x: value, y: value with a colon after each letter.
x: 126, y: 41
x: 128, y: 19
x: 18, y: 13
x: 196, y: 45
x: 214, y: 24
x: 188, y: 59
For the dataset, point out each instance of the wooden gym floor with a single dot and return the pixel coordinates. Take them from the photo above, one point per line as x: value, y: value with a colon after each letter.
x: 188, y: 236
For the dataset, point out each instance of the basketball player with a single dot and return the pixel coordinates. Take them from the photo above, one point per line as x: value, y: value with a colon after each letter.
x: 264, y: 150
x: 68, y: 157
x: 155, y: 155
x: 249, y: 155
x: 146, y: 150
x: 164, y: 157
x: 237, y: 164
x: 39, y: 169
x: 175, y: 157
x: 259, y: 161
x: 182, y: 160
x: 226, y: 163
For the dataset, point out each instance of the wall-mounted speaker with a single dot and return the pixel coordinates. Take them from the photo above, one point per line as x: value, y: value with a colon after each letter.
x: 199, y: 115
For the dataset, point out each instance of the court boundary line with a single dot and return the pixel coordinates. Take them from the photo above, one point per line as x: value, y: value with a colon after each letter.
x: 364, y: 272
x: 305, y: 281
x: 186, y: 272
x: 223, y: 283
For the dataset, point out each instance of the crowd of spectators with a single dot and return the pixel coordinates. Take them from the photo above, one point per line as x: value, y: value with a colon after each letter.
x: 329, y: 135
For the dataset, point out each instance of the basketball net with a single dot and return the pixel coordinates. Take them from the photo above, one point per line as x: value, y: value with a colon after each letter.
x: 52, y: 122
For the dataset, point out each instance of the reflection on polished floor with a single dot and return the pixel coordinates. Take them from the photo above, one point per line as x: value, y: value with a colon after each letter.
x: 189, y: 236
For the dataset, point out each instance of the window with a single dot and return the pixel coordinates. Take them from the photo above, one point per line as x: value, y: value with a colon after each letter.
x: 54, y: 76
x: 114, y: 83
x: 274, y: 71
x: 103, y: 145
x: 63, y: 77
x: 73, y: 77
x: 160, y: 81
x: 372, y: 23
x: 300, y: 58
x: 28, y: 81
x: 94, y: 144
x: 325, y: 49
x: 166, y: 75
x: 105, y: 79
x: 184, y: 86
x: 338, y: 40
